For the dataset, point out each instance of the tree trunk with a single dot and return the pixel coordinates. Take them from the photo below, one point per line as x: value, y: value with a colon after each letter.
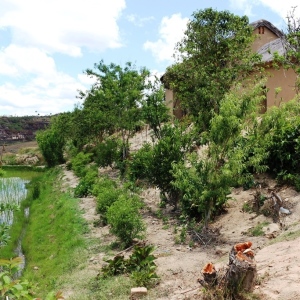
x: 242, y: 272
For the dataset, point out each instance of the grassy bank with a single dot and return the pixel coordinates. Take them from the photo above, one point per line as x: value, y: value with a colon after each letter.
x: 59, y: 253
x: 54, y: 240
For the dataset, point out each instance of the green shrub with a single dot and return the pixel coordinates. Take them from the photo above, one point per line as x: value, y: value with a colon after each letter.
x: 296, y: 182
x: 80, y: 162
x: 106, y: 192
x: 139, y: 166
x: 143, y: 266
x: 277, y: 135
x: 124, y: 219
x: 284, y: 146
x: 86, y: 183
x: 170, y: 149
x: 146, y: 277
x: 103, y: 183
x: 10, y: 288
x: 107, y: 152
x: 51, y: 145
x: 70, y: 150
x: 105, y: 199
x: 205, y: 182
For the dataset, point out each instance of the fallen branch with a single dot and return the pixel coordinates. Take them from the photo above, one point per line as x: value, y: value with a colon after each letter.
x: 125, y: 250
x: 198, y: 236
x: 190, y: 290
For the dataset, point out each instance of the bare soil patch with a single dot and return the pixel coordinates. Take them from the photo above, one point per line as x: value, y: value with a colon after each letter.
x: 180, y: 263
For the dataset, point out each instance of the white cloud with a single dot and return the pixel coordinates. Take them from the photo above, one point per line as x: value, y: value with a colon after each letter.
x: 29, y: 78
x: 154, y: 75
x: 64, y: 26
x: 279, y: 7
x: 35, y: 83
x: 244, y: 5
x: 18, y: 61
x: 39, y: 94
x: 171, y: 32
x: 86, y: 80
x: 138, y: 21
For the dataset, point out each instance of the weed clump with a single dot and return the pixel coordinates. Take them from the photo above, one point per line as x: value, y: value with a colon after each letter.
x: 140, y: 265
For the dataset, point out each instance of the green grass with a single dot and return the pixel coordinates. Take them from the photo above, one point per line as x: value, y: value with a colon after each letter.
x: 117, y: 288
x: 54, y: 243
x: 25, y: 172
x: 58, y: 250
x: 289, y: 236
x: 257, y: 230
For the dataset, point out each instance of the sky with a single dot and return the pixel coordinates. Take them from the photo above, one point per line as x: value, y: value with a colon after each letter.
x: 46, y: 45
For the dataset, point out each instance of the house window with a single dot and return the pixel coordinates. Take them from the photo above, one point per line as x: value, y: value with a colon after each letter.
x: 261, y: 29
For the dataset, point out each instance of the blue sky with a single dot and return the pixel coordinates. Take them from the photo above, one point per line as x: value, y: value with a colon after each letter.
x: 45, y: 45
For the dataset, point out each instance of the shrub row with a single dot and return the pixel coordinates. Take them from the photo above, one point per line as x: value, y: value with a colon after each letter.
x: 117, y: 207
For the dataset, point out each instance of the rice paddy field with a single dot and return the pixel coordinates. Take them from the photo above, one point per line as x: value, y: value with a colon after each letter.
x: 13, y: 211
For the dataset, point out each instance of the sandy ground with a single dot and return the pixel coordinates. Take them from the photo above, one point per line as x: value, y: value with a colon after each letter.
x: 180, y: 265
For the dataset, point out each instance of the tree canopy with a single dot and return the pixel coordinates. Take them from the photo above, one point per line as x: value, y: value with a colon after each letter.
x: 214, y: 53
x: 113, y: 100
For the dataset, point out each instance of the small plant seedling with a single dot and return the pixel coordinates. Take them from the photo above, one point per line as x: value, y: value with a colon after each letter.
x: 257, y: 230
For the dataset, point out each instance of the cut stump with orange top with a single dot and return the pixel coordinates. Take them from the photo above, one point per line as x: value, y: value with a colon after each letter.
x: 241, y: 273
x: 210, y: 274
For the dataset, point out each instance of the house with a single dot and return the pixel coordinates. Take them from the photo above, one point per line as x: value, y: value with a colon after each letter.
x: 280, y: 86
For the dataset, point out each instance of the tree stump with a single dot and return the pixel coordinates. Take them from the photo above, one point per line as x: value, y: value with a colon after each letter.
x: 239, y: 276
x: 241, y: 273
x: 210, y: 274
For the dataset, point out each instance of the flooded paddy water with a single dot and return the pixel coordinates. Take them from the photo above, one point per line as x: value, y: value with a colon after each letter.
x: 13, y: 190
